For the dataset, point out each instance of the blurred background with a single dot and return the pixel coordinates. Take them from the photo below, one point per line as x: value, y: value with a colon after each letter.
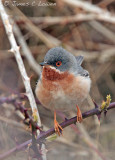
x: 82, y: 30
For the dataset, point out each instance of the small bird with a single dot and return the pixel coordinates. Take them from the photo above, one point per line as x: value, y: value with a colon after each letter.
x: 63, y: 83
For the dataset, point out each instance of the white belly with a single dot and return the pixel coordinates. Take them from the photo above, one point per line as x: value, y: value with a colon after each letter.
x: 60, y: 101
x: 76, y: 94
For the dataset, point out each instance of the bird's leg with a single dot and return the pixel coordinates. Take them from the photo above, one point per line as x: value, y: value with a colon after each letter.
x: 79, y: 115
x: 57, y: 127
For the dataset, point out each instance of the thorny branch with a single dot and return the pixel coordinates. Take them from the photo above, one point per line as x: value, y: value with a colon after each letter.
x: 25, y: 78
x: 97, y: 111
x: 15, y: 50
x: 16, y: 101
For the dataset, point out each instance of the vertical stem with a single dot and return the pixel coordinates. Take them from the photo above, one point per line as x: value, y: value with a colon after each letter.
x: 15, y: 50
x: 25, y: 78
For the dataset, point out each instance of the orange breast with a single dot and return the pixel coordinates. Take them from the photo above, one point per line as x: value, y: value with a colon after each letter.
x: 51, y: 83
x: 51, y: 74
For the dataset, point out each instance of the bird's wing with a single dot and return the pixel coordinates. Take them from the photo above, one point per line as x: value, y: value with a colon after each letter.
x: 79, y: 60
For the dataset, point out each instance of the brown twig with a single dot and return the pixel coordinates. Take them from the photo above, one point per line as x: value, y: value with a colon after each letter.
x: 15, y: 100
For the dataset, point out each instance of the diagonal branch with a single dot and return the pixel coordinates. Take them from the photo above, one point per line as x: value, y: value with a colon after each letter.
x: 51, y: 131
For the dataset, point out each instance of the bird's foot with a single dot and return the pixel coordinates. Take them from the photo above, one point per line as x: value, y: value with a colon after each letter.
x: 57, y: 127
x: 79, y: 115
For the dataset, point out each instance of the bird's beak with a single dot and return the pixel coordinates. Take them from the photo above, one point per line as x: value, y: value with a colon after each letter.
x: 43, y: 63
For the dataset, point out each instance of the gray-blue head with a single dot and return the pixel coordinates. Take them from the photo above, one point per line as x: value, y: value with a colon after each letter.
x: 63, y: 61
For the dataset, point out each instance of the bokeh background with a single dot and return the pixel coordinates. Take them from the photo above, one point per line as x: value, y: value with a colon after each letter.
x: 37, y: 29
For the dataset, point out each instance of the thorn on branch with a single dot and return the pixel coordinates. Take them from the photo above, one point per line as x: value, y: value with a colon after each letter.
x: 97, y: 107
x: 32, y: 75
x: 11, y: 50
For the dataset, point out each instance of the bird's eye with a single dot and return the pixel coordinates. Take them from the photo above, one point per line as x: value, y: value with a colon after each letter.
x: 58, y: 63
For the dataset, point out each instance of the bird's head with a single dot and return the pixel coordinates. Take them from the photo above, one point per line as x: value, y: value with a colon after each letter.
x: 61, y: 60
